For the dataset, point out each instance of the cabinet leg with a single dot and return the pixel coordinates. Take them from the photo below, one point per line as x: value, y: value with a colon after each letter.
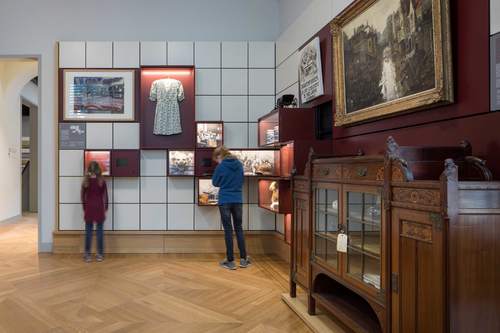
x: 293, y: 289
x: 311, y: 305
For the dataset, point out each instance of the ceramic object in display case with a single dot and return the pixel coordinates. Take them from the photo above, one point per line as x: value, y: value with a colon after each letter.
x: 126, y: 163
x: 286, y: 124
x: 209, y: 134
x: 102, y: 157
x: 275, y: 195
x: 258, y: 162
x: 208, y: 195
x: 97, y: 95
x: 170, y: 92
x: 181, y: 162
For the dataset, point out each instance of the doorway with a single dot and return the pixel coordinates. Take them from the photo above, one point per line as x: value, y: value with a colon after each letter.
x: 19, y: 140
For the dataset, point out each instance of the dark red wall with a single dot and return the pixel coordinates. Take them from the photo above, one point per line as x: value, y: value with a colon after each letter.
x: 468, y: 118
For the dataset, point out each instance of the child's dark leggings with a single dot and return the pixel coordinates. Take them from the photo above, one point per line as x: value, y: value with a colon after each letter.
x: 99, y: 235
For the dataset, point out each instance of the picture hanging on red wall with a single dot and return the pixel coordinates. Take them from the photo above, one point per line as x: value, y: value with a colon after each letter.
x: 167, y: 107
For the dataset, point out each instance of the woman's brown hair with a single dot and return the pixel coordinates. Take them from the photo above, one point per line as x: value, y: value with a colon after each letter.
x: 221, y: 152
x: 93, y: 169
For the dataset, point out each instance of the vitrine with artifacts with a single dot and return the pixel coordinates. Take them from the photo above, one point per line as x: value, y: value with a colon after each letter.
x: 261, y: 162
x: 208, y: 195
x: 125, y: 163
x: 102, y: 157
x: 275, y: 195
x: 209, y: 134
x: 181, y: 163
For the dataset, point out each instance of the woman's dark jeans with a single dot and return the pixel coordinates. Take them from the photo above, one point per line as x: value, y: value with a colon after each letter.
x: 99, y: 235
x: 236, y: 210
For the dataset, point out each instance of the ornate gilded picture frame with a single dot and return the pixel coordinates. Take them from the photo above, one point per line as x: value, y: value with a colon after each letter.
x: 391, y: 56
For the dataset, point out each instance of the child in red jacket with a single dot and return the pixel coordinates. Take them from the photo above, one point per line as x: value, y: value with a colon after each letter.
x: 95, y: 205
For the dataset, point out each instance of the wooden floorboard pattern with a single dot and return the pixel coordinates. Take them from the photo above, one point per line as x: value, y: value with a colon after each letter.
x: 136, y: 293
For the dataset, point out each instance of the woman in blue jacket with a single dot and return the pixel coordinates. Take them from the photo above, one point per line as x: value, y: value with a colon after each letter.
x: 229, y: 177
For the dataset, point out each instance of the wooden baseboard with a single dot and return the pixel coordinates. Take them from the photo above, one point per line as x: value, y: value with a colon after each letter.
x: 319, y: 323
x: 269, y: 242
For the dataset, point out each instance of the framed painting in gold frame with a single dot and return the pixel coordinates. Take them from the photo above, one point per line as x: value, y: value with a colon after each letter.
x: 391, y: 56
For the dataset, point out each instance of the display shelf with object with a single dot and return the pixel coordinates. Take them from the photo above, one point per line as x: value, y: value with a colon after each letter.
x: 286, y: 124
x: 275, y: 195
x: 204, y: 163
x: 209, y: 134
x: 168, y: 108
x: 125, y: 163
x: 102, y: 157
x: 208, y: 195
x: 431, y: 203
x: 181, y: 163
x: 259, y: 162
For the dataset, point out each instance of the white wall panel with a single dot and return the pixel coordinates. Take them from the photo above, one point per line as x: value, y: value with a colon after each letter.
x: 207, y: 54
x: 253, y: 190
x: 236, y: 135
x: 261, y: 55
x: 99, y: 135
x: 126, y: 55
x: 280, y: 223
x: 235, y: 108
x: 259, y: 106
x: 253, y: 136
x: 234, y: 81
x: 208, y: 108
x: 153, y: 217
x: 153, y: 163
x: 126, y: 216
x: 206, y: 218
x: 260, y: 219
x: 153, y: 53
x: 126, y: 190
x: 494, y: 16
x: 99, y: 54
x: 261, y: 82
x: 287, y: 73
x: 208, y: 81
x: 126, y: 136
x: 71, y: 217
x: 108, y: 222
x: 72, y: 54
x: 180, y: 216
x: 180, y: 189
x: 153, y: 189
x: 71, y: 162
x: 69, y: 189
x: 234, y: 55
x: 180, y: 53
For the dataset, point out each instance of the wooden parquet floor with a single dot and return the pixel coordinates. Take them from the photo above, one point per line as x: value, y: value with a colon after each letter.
x: 136, y: 293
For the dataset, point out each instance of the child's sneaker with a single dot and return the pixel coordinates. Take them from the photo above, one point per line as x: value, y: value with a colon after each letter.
x: 99, y: 257
x: 228, y: 264
x: 244, y: 263
x: 87, y: 258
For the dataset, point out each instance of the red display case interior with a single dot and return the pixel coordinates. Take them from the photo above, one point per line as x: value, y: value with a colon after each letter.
x: 125, y: 163
x: 204, y: 164
x: 286, y: 160
x: 184, y: 140
x: 263, y: 162
x: 288, y: 228
x: 274, y: 195
x: 102, y: 157
x: 208, y: 195
x: 209, y: 134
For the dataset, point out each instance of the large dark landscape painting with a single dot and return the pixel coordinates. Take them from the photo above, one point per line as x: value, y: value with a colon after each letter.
x: 388, y: 52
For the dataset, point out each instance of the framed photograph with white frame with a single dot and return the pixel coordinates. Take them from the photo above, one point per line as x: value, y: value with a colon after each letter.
x: 98, y: 95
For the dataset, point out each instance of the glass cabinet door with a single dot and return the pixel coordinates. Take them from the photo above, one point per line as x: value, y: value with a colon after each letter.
x: 326, y: 225
x: 363, y: 228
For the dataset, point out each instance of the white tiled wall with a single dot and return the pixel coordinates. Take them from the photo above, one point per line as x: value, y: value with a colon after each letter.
x: 235, y: 83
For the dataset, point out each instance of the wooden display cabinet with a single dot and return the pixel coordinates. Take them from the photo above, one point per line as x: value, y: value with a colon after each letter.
x: 125, y: 163
x: 419, y: 255
x: 275, y: 195
x: 286, y: 124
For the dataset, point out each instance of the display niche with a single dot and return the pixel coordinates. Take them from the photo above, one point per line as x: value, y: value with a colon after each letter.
x: 125, y: 163
x: 204, y: 164
x: 208, y: 195
x: 209, y: 134
x: 275, y: 195
x: 263, y: 162
x: 102, y: 157
x: 168, y: 107
x: 181, y: 163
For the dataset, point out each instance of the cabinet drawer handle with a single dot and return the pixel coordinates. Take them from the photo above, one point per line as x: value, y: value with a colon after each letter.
x: 362, y: 172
